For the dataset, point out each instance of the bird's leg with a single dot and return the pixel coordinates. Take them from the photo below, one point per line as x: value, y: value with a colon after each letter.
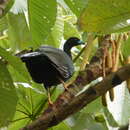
x: 49, y: 96
x: 64, y: 84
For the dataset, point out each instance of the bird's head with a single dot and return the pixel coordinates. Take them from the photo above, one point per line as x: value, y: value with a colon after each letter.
x: 74, y: 41
x: 71, y: 42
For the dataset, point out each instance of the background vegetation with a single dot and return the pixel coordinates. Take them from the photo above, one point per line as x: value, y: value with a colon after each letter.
x: 29, y: 24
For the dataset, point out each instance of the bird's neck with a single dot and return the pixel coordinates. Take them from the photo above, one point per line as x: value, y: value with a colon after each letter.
x: 67, y: 49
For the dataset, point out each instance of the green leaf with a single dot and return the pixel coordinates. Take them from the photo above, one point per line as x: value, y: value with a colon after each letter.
x: 93, y: 107
x: 109, y: 117
x: 8, y: 96
x: 70, y: 30
x: 5, y: 42
x: 3, y: 24
x: 76, y: 6
x: 61, y: 126
x: 19, y: 34
x: 86, y: 121
x: 18, y: 121
x: 31, y: 103
x: 42, y: 16
x: 55, y: 37
x: 16, y: 63
x: 105, y: 16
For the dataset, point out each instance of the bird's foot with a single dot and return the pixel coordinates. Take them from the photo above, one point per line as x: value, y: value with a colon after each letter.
x: 50, y: 103
x: 66, y: 87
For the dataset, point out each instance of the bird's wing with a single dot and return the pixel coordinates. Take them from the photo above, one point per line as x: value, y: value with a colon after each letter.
x: 63, y: 70
x: 57, y: 57
x: 61, y: 60
x: 30, y: 55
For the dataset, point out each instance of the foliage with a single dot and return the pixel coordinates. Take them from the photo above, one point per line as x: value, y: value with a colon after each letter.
x: 110, y: 16
x: 36, y: 22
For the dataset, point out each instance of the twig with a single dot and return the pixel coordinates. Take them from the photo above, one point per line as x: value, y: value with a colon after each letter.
x: 3, y: 37
x: 87, y: 51
x: 79, y: 54
x: 118, y: 46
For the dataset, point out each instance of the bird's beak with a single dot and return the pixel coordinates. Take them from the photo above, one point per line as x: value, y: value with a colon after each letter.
x: 81, y: 42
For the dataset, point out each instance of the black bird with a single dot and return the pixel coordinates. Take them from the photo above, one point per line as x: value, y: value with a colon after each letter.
x: 51, y: 66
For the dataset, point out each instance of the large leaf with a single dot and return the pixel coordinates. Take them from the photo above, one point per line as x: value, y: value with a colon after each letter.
x: 93, y: 107
x: 8, y: 97
x: 19, y: 6
x: 105, y: 16
x: 70, y: 30
x: 109, y: 117
x: 3, y: 24
x: 86, y: 121
x: 76, y: 6
x: 29, y: 100
x: 20, y: 121
x: 55, y: 36
x: 15, y: 62
x: 42, y: 16
x: 32, y: 102
x: 18, y: 31
x: 5, y: 42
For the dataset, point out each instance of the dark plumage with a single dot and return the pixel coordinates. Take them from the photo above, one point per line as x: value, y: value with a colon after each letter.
x: 49, y: 65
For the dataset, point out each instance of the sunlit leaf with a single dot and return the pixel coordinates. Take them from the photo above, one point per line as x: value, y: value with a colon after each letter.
x: 70, y: 30
x: 109, y: 117
x: 86, y: 121
x: 19, y: 121
x: 55, y: 36
x: 61, y: 126
x: 5, y: 43
x: 19, y: 34
x: 76, y: 5
x: 42, y: 16
x: 29, y: 101
x: 93, y: 107
x: 105, y: 16
x: 3, y: 24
